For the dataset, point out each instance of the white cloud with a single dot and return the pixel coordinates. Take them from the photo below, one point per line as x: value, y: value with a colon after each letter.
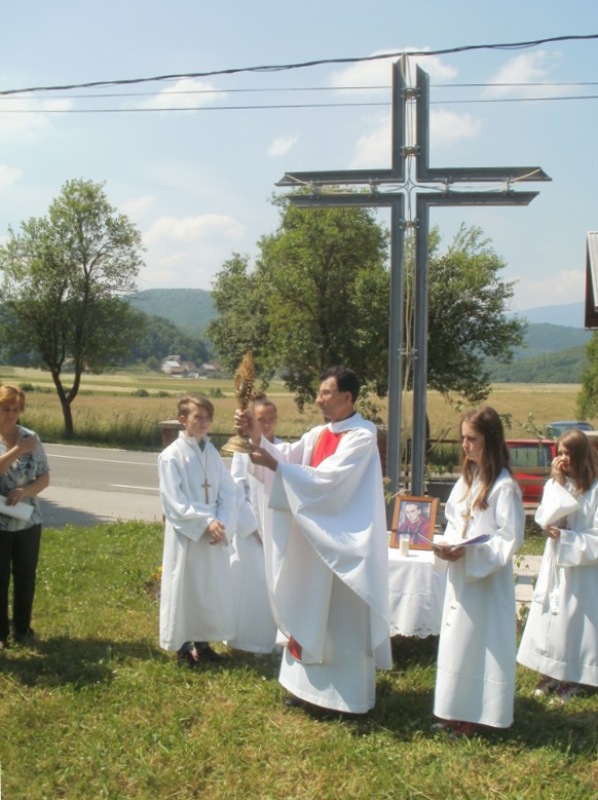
x: 138, y: 205
x: 29, y: 121
x: 281, y: 146
x: 447, y: 127
x: 378, y: 72
x: 8, y: 175
x: 191, y: 229
x: 567, y: 286
x: 524, y: 69
x: 185, y: 93
x: 373, y: 149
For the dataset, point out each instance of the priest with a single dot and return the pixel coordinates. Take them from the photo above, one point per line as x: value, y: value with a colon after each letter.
x: 326, y: 551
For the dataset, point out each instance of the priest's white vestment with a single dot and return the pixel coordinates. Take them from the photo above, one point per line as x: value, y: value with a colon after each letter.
x: 561, y: 633
x: 327, y: 566
x: 475, y: 678
x: 256, y: 629
x: 196, y: 599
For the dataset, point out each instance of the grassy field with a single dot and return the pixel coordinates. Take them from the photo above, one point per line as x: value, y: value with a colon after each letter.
x: 109, y: 409
x: 97, y: 710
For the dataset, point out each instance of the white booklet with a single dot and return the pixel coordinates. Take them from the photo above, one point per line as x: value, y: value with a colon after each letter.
x: 481, y: 539
x: 20, y: 511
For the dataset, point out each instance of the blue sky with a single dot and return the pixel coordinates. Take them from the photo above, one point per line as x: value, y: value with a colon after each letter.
x: 198, y: 182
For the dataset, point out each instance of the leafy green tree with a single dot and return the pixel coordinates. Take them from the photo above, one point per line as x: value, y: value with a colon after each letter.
x: 240, y: 298
x: 63, y: 277
x: 322, y: 267
x: 467, y: 322
x: 319, y: 295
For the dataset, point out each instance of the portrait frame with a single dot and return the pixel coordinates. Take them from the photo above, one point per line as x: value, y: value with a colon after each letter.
x: 421, y: 537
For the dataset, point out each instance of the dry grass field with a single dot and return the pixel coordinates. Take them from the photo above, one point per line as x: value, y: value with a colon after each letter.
x: 113, y: 400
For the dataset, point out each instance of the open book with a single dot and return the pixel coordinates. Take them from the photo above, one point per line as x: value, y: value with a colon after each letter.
x: 481, y: 539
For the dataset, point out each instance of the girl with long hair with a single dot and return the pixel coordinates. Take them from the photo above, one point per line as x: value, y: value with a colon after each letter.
x: 560, y: 640
x: 475, y: 679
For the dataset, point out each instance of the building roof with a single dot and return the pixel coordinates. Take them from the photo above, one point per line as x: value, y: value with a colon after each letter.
x: 591, y: 315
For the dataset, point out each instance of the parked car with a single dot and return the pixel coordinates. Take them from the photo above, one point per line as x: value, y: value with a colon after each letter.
x: 555, y: 429
x: 530, y: 462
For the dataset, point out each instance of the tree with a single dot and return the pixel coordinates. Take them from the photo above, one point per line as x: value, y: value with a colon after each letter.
x: 467, y: 321
x: 319, y: 295
x: 240, y: 300
x: 63, y: 277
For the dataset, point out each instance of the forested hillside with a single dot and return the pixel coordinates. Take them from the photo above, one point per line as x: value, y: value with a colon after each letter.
x: 189, y: 309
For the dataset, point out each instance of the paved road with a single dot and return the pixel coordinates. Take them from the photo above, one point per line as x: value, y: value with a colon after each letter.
x: 90, y: 485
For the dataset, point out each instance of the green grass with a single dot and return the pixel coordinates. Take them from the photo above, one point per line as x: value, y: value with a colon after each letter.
x: 97, y: 710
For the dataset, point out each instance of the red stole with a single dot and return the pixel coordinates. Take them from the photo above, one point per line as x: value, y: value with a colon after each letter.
x: 325, y: 446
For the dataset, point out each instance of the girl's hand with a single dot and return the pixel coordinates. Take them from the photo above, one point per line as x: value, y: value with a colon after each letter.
x: 552, y: 532
x: 557, y: 470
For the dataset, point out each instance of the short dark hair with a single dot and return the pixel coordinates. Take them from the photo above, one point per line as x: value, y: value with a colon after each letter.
x: 346, y: 380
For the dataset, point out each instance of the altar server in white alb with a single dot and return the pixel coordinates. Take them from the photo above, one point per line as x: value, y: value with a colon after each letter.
x: 327, y: 554
x: 475, y: 679
x: 560, y: 639
x: 199, y: 502
x: 256, y: 629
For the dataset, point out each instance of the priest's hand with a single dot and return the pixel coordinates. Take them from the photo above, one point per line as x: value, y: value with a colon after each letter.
x: 263, y: 458
x: 552, y: 532
x: 216, y: 531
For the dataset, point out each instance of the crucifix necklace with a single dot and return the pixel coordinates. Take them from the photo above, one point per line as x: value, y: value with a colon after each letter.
x: 205, y: 485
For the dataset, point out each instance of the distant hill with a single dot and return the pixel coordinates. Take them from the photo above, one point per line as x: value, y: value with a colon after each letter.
x: 569, y: 315
x: 551, y: 354
x: 554, y: 350
x: 189, y: 309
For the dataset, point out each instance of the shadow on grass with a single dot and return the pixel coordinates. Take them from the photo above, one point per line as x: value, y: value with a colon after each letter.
x: 82, y: 662
x: 404, y: 708
x: 79, y: 662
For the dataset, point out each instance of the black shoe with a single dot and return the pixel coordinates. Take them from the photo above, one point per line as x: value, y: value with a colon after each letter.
x: 25, y: 637
x: 205, y: 653
x: 186, y: 656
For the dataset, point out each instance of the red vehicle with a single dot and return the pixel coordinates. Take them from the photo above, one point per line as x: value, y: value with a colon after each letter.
x: 530, y: 462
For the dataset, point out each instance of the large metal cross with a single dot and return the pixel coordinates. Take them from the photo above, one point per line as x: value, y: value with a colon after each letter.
x: 376, y: 190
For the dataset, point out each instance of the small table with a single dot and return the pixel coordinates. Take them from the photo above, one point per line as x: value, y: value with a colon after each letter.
x: 416, y: 585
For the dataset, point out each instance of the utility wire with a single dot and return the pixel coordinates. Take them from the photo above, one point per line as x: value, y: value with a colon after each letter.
x: 295, y: 89
x: 280, y: 106
x: 305, y: 64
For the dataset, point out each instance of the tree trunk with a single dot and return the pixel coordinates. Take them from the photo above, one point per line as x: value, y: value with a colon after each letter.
x: 67, y: 413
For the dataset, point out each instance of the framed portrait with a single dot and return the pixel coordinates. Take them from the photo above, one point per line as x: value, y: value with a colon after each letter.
x: 415, y: 516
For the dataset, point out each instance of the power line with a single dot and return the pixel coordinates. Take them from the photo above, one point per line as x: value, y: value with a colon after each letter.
x: 281, y: 106
x: 305, y: 64
x: 296, y: 89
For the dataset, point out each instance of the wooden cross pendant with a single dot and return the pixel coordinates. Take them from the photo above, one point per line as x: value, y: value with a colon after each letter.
x: 205, y: 486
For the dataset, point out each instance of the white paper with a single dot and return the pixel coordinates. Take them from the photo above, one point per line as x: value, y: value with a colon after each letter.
x: 22, y: 511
